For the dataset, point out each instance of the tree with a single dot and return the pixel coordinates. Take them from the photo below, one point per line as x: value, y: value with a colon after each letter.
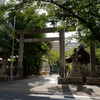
x: 5, y: 43
x: 70, y: 13
x: 33, y: 52
x: 82, y: 13
x: 6, y: 32
x: 27, y: 20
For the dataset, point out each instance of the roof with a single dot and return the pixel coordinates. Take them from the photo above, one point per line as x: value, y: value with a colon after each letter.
x: 85, y: 56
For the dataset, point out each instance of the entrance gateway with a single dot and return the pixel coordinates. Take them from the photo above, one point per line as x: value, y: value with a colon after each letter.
x: 61, y: 39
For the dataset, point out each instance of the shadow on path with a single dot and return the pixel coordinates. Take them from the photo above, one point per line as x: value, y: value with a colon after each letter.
x: 76, y: 89
x: 63, y: 89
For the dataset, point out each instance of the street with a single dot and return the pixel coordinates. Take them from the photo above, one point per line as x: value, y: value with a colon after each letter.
x: 17, y: 95
x: 46, y: 88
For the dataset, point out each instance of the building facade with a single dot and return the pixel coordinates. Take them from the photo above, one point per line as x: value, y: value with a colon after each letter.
x: 70, y: 45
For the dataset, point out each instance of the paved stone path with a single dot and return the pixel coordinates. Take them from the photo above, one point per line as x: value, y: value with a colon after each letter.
x: 41, y: 85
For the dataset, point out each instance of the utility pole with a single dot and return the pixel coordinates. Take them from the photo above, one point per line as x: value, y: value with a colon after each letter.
x: 12, y: 50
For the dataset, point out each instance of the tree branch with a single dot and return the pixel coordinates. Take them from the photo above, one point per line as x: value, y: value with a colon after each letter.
x: 75, y: 16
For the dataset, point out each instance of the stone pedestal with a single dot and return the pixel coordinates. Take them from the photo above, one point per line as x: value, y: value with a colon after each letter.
x: 93, y: 80
x: 75, y: 77
x: 20, y: 72
x: 62, y: 80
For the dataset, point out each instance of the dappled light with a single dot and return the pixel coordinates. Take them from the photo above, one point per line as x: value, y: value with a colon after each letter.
x: 35, y: 84
x: 41, y: 82
x: 55, y: 89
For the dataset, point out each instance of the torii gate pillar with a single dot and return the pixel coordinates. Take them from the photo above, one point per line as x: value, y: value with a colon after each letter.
x: 20, y: 58
x: 62, y: 79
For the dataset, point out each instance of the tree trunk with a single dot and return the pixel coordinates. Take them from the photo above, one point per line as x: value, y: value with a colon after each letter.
x: 25, y: 68
x: 36, y: 69
x: 39, y: 69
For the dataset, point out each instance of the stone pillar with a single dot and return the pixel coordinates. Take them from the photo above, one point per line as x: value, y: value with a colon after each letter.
x: 93, y: 79
x: 20, y: 58
x: 62, y: 53
x: 92, y: 61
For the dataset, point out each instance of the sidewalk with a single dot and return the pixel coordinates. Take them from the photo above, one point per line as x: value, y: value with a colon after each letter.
x: 48, y: 84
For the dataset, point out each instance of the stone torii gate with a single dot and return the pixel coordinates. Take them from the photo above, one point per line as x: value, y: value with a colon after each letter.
x: 61, y: 39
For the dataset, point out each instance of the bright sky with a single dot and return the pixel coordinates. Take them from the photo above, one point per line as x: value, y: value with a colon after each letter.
x: 67, y: 34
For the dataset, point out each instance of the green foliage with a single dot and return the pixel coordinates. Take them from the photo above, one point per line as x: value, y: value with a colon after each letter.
x: 27, y: 19
x: 84, y: 13
x: 54, y: 57
x: 84, y: 35
x: 70, y: 67
x: 5, y: 36
x: 39, y: 20
x: 97, y: 53
x: 34, y: 51
x: 5, y: 43
x: 69, y: 52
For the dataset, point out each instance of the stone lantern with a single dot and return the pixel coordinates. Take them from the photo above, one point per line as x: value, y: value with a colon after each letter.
x: 75, y: 75
x: 75, y: 57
